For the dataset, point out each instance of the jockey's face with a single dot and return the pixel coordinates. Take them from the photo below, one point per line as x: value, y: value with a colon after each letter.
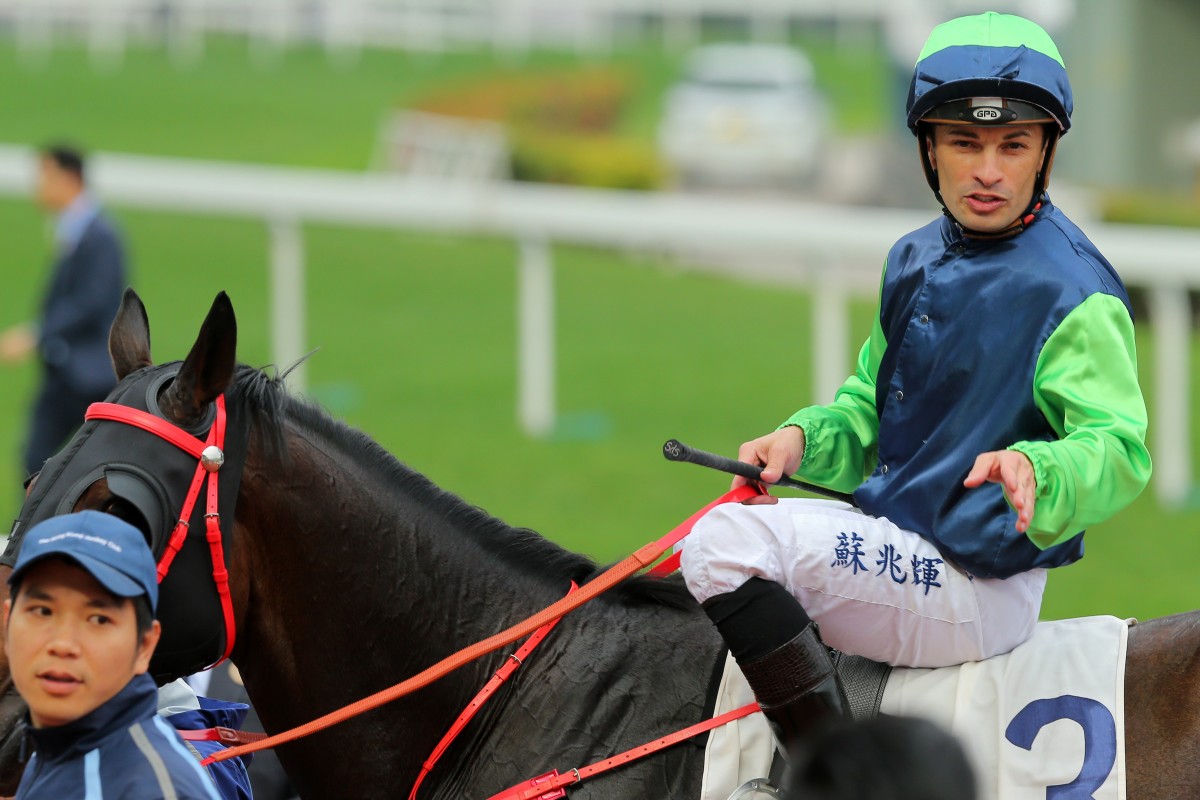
x: 987, y: 173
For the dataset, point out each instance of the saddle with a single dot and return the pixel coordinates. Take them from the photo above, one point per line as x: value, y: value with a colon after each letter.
x: 863, y: 681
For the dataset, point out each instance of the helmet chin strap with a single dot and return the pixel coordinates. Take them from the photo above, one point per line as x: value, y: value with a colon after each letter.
x: 1024, y: 219
x: 1022, y: 222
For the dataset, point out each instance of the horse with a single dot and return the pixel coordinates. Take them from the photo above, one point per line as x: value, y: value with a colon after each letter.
x: 349, y: 571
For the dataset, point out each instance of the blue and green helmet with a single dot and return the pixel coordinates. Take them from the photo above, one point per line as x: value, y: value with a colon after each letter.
x: 990, y: 69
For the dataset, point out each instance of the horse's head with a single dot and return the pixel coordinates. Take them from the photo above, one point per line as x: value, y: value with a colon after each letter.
x: 136, y: 457
x: 146, y: 478
x: 125, y: 467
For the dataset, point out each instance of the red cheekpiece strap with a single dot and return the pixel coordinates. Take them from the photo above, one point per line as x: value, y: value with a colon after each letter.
x: 212, y: 524
x: 179, y: 534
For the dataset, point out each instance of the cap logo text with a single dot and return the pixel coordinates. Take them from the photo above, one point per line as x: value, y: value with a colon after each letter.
x: 83, y: 537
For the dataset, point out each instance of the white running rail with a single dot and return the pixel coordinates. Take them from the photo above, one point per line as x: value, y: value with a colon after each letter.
x: 835, y: 251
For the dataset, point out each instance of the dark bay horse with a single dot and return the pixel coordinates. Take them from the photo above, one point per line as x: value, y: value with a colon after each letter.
x: 350, y: 572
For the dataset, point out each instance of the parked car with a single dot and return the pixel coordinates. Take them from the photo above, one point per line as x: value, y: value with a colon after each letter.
x: 745, y: 114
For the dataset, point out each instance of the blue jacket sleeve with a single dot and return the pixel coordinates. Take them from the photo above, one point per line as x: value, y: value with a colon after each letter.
x: 231, y: 777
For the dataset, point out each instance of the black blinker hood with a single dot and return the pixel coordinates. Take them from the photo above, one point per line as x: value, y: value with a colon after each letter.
x: 153, y: 476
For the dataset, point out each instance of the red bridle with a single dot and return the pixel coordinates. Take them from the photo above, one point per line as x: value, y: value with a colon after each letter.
x: 210, y: 454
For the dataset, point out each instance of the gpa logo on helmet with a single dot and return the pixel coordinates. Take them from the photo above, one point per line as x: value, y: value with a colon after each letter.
x: 986, y: 114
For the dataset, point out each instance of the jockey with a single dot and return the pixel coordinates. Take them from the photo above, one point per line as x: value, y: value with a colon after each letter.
x: 994, y: 413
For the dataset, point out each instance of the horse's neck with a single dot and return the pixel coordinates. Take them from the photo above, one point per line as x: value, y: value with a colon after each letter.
x: 353, y: 589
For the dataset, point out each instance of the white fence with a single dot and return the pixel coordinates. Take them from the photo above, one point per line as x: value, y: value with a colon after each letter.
x: 835, y: 251
x: 344, y: 26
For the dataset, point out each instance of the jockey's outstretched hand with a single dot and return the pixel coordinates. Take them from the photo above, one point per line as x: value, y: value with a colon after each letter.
x: 778, y: 453
x: 1012, y: 470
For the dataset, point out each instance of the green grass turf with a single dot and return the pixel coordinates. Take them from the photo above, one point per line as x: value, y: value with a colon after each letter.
x: 306, y: 110
x: 417, y: 338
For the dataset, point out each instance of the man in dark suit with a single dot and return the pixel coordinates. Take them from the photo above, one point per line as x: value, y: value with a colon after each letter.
x: 80, y: 302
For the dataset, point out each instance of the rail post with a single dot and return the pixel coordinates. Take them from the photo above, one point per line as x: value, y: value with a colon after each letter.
x: 535, y: 337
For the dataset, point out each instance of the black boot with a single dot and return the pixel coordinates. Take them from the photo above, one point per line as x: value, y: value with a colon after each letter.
x: 782, y: 656
x: 797, y: 687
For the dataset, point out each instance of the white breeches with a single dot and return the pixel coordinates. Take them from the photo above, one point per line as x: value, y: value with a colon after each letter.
x: 875, y: 589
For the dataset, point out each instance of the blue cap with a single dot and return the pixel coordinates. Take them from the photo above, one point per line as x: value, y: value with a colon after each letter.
x: 114, y: 552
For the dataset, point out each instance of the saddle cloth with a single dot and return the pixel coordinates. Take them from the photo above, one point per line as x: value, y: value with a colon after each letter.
x: 1050, y: 713
x: 740, y: 751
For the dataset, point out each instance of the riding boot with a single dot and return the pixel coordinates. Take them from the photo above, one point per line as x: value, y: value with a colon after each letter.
x: 797, y: 686
x: 780, y: 652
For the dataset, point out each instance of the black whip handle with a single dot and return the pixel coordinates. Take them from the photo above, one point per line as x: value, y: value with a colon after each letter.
x: 675, y: 450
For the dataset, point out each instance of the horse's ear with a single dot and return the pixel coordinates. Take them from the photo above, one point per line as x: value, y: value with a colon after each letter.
x: 208, y: 369
x: 129, y: 337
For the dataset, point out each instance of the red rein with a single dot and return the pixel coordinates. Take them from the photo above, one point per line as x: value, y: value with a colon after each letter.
x: 642, y: 558
x: 511, y: 664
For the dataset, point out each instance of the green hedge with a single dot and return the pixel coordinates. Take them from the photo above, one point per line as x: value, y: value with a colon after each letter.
x: 560, y: 127
x: 1141, y: 208
x: 600, y: 161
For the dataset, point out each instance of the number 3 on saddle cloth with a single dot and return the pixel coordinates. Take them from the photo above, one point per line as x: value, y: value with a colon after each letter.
x: 1045, y: 721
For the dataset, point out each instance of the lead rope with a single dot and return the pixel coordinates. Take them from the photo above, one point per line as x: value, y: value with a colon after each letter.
x: 640, y: 559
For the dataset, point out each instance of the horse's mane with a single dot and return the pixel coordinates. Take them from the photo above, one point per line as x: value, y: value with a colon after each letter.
x: 269, y: 403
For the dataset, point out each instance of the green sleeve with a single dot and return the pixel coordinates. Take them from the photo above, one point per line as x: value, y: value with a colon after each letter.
x: 841, y: 439
x: 1086, y: 385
